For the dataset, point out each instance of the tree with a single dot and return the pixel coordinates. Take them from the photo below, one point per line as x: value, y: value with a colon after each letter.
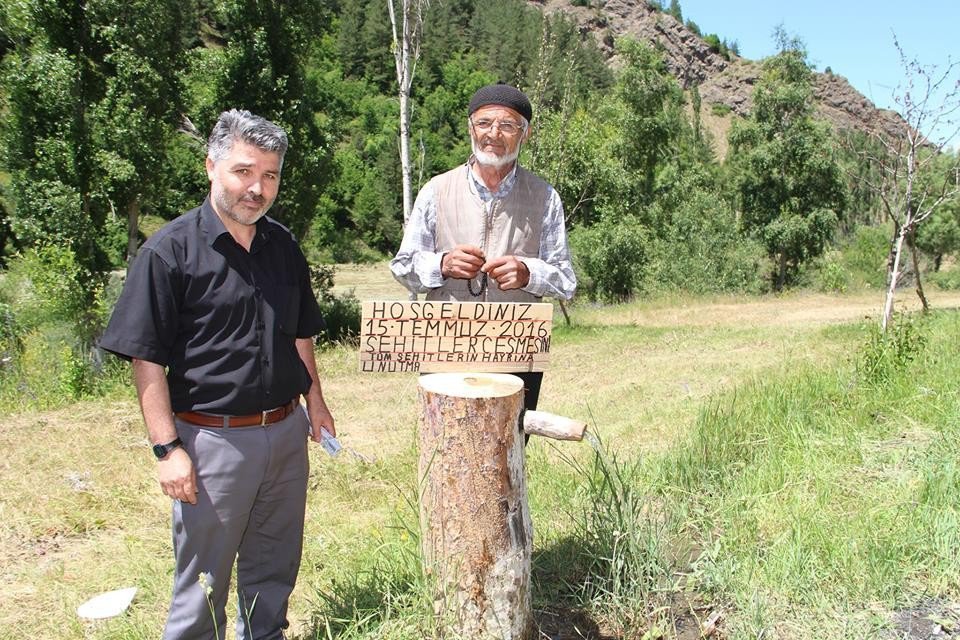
x: 49, y: 82
x: 502, y: 33
x: 406, y: 53
x: 268, y: 44
x: 652, y: 117
x: 675, y: 11
x: 940, y: 234
x: 93, y: 98
x: 913, y: 181
x: 141, y: 105
x: 786, y: 178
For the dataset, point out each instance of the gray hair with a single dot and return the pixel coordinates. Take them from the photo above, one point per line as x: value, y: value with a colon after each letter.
x: 239, y: 124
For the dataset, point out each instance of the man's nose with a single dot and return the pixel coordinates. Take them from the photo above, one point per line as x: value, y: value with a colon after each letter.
x: 255, y: 187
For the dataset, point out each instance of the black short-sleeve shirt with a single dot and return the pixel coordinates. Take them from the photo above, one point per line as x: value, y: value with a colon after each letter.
x: 222, y: 320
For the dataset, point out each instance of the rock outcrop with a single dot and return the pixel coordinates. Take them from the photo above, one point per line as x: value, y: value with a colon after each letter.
x: 720, y: 81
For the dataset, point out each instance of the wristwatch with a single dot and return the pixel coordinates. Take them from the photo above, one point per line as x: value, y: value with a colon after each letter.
x: 161, y: 450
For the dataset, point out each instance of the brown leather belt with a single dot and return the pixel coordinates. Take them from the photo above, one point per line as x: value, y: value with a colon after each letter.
x: 262, y: 418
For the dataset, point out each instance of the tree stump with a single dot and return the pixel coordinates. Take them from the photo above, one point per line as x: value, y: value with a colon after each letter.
x: 476, y: 527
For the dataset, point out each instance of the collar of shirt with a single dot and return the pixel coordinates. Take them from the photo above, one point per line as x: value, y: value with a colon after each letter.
x: 481, y: 189
x: 213, y: 227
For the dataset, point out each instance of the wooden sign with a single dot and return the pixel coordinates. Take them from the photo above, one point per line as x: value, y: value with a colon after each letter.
x: 429, y: 336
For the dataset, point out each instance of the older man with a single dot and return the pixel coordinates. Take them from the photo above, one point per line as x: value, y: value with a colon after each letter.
x: 489, y: 230
x: 217, y: 315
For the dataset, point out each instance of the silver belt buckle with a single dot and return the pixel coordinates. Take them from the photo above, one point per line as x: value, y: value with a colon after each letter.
x: 263, y: 417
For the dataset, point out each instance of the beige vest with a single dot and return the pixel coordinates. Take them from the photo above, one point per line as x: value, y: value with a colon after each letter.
x: 504, y: 226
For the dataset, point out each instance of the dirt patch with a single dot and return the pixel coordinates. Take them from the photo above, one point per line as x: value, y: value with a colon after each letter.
x: 794, y: 310
x: 680, y: 621
x: 932, y: 620
x: 558, y: 623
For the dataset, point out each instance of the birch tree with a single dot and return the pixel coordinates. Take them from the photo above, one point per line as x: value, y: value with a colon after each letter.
x: 913, y: 180
x: 407, y: 35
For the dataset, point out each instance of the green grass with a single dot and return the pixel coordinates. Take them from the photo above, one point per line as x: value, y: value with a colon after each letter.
x: 750, y: 465
x: 821, y: 497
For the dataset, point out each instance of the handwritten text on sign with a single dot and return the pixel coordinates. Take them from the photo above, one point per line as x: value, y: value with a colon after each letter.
x: 455, y: 336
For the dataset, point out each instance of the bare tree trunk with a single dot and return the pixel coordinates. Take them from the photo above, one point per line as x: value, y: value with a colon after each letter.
x: 133, y: 228
x: 475, y: 519
x: 563, y: 308
x: 781, y: 271
x: 894, y: 277
x: 406, y: 170
x: 406, y: 52
x: 911, y: 242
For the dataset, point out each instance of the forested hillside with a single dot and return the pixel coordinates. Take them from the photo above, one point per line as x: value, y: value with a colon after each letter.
x: 106, y: 105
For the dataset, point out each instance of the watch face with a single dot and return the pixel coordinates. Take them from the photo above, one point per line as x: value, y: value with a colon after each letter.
x: 161, y: 450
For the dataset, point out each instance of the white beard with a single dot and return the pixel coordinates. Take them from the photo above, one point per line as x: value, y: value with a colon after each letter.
x: 488, y: 159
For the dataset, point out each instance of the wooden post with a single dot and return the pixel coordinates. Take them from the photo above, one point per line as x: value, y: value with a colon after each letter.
x: 473, y: 504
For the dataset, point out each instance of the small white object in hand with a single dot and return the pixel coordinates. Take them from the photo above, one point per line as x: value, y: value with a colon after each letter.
x: 330, y: 444
x: 107, y: 605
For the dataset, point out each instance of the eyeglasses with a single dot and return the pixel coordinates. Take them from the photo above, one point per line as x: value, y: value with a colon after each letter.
x: 506, y: 127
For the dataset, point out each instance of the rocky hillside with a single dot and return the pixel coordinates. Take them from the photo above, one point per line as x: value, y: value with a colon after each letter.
x: 721, y: 81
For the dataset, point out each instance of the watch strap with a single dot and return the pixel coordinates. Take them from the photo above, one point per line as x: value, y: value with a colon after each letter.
x: 161, y: 450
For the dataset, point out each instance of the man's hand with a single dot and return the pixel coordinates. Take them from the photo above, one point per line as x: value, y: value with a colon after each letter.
x: 178, y: 479
x: 463, y: 262
x: 177, y: 476
x: 509, y: 271
x: 320, y: 416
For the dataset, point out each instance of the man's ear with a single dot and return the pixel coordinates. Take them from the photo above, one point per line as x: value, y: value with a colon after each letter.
x: 209, y: 164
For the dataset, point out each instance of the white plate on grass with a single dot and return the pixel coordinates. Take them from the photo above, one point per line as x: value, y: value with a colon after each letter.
x: 107, y: 605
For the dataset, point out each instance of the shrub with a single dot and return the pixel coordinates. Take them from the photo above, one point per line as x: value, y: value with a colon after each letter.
x: 884, y: 355
x: 700, y: 248
x: 865, y: 255
x: 42, y: 285
x: 712, y: 40
x: 832, y: 277
x: 610, y: 257
x: 857, y: 262
x: 328, y: 242
x: 827, y: 274
x: 48, y: 326
x: 719, y: 109
x: 947, y: 280
x: 11, y: 341
x: 49, y: 369
x: 341, y: 314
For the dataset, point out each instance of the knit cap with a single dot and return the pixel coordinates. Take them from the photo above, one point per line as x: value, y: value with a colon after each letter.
x: 503, y: 95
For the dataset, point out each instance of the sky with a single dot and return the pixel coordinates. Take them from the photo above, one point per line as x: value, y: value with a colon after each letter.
x: 852, y: 37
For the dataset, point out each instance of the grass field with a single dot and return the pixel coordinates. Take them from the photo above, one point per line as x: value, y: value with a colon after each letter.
x: 749, y: 477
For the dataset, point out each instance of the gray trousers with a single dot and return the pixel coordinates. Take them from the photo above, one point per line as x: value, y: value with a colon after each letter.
x: 252, y: 485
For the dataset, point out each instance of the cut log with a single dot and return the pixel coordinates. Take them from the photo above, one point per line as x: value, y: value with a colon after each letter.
x: 476, y: 529
x: 541, y: 423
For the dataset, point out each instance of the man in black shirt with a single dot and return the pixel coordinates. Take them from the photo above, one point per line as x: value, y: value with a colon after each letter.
x: 217, y: 316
